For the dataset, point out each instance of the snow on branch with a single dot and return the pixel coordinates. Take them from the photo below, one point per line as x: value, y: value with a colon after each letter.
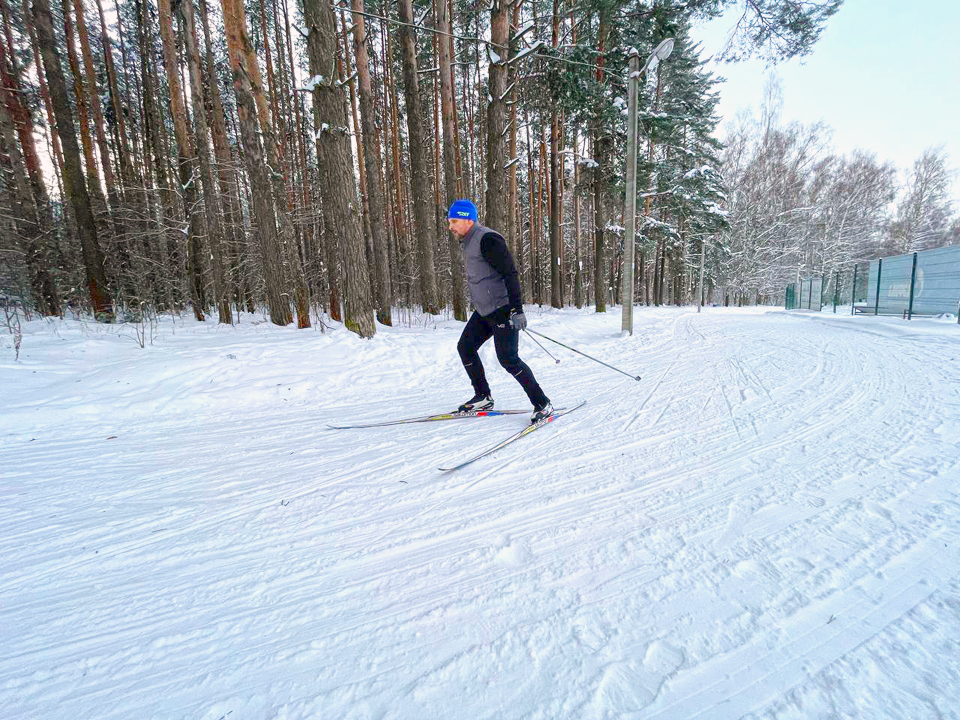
x: 705, y: 170
x: 525, y: 29
x: 310, y: 84
x: 538, y: 45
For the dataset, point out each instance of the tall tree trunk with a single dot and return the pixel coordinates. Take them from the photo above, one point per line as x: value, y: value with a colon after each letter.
x: 556, y: 238
x: 544, y: 180
x: 442, y: 14
x: 156, y: 142
x: 512, y: 162
x: 578, y: 270
x: 234, y: 235
x: 137, y: 156
x: 602, y: 146
x: 262, y: 205
x: 335, y: 164
x: 423, y: 216
x: 73, y: 179
x: 375, y: 201
x: 211, y: 194
x: 271, y: 88
x: 461, y: 181
x: 401, y: 227
x: 93, y: 94
x: 648, y: 208
x: 347, y: 77
x: 439, y: 205
x: 122, y: 147
x: 532, y: 205
x: 80, y: 95
x: 44, y: 92
x: 29, y: 191
x: 25, y: 215
x: 125, y: 192
x: 300, y: 138
x: 292, y: 270
x: 185, y: 160
x: 497, y: 201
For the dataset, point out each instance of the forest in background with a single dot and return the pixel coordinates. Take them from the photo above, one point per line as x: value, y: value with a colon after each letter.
x: 298, y: 158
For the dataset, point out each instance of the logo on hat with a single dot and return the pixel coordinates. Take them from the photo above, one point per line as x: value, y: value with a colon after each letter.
x: 463, y: 209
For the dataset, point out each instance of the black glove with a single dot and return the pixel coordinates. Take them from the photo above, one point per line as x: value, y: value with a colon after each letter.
x: 518, y: 321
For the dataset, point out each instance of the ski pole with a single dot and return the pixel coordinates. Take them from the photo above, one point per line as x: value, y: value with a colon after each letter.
x: 541, y: 346
x: 635, y: 377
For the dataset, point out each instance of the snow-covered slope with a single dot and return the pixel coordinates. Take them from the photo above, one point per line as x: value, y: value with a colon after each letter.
x: 766, y: 525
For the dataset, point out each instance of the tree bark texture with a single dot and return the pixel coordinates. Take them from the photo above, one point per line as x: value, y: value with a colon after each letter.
x: 442, y: 13
x: 29, y: 191
x: 602, y: 147
x: 341, y: 206
x: 25, y: 215
x: 375, y: 194
x: 185, y: 160
x: 291, y: 270
x: 262, y: 202
x: 208, y: 183
x: 234, y: 236
x: 73, y: 176
x: 421, y: 183
x: 497, y: 200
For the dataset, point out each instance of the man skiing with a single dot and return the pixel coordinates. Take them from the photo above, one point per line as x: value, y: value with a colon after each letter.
x: 498, y: 310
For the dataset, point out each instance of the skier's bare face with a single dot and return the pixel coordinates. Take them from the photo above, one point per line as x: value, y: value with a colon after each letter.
x: 459, y: 226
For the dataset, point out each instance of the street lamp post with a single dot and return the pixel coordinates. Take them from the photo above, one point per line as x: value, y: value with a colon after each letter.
x: 662, y: 52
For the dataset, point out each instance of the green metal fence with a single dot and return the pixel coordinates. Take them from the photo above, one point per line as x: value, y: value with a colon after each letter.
x: 805, y: 295
x: 920, y: 283
x: 923, y: 283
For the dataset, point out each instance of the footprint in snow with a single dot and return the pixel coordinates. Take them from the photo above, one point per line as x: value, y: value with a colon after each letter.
x: 630, y: 686
x: 879, y: 511
x: 810, y: 500
x: 514, y: 553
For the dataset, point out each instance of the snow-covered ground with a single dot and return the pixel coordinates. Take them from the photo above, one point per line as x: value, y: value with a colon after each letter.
x: 766, y: 525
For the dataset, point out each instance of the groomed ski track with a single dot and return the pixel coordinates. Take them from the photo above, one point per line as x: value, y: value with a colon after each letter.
x: 767, y: 525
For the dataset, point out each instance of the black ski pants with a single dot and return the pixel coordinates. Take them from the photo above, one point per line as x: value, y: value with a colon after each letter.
x: 481, y: 328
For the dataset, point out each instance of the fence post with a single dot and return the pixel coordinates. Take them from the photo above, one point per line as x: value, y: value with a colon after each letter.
x: 853, y: 293
x: 913, y: 278
x: 836, y: 292
x: 876, y: 308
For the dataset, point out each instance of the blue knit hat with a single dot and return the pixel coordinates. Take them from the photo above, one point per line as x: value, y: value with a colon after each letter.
x: 463, y: 210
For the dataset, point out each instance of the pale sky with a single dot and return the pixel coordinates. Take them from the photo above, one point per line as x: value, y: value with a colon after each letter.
x: 885, y: 75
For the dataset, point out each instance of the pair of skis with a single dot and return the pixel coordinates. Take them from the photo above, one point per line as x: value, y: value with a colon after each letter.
x: 456, y: 415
